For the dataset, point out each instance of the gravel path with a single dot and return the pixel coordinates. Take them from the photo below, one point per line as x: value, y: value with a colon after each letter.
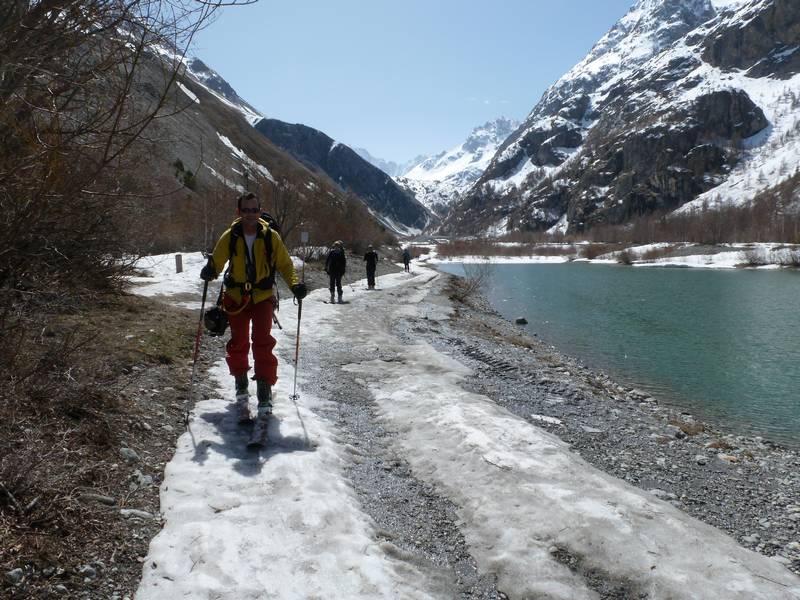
x: 743, y: 486
x: 747, y: 487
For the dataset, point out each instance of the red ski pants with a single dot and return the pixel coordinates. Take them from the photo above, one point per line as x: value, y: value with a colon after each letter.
x: 238, y: 347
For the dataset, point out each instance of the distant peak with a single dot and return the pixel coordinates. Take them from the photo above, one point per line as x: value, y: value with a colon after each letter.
x: 501, y: 126
x: 694, y: 6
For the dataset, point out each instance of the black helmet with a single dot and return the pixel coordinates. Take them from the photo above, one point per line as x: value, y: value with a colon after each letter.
x: 216, y: 321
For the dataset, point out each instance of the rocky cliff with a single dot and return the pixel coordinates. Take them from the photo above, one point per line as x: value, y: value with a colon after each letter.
x: 675, y: 105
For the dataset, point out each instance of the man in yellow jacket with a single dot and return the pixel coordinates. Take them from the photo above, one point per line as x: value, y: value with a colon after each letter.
x: 255, y: 252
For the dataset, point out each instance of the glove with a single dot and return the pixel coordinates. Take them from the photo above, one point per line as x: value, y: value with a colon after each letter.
x: 207, y: 273
x: 299, y: 290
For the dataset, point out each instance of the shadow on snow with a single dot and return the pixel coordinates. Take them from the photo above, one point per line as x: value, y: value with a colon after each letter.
x: 235, y: 438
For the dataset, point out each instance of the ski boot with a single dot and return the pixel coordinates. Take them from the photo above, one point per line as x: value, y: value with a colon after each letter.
x: 340, y: 299
x: 242, y: 399
x: 264, y: 397
x: 259, y: 435
x: 332, y: 299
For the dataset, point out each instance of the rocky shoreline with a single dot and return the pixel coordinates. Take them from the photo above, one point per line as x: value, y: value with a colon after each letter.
x: 747, y: 487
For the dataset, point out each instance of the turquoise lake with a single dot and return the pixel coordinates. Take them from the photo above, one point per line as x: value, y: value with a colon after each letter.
x: 723, y: 345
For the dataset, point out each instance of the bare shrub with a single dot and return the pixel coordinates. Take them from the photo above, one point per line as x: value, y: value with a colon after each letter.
x: 72, y: 107
x: 790, y: 258
x: 754, y: 257
x: 68, y: 119
x: 466, y: 247
x: 626, y: 257
x: 772, y: 216
x: 655, y: 253
x: 345, y: 219
x: 552, y: 250
x: 484, y: 247
x: 537, y: 237
x: 477, y: 278
x: 592, y: 251
x: 285, y: 203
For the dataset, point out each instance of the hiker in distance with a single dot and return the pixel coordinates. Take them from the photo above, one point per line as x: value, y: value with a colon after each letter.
x: 335, y: 267
x: 406, y: 259
x: 254, y: 252
x: 371, y: 258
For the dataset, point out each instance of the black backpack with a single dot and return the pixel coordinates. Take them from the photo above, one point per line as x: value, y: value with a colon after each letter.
x: 273, y: 224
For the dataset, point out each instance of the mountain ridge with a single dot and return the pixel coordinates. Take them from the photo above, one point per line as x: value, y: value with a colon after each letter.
x: 439, y: 180
x: 391, y: 205
x: 585, y: 154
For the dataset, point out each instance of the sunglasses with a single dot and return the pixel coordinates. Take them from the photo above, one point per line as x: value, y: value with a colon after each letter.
x: 252, y: 211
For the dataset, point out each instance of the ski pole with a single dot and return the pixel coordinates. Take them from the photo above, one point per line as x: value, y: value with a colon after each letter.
x: 297, y: 336
x: 194, y: 358
x: 297, y: 347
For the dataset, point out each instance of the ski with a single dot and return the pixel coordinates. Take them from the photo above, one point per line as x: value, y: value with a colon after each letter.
x: 260, y: 436
x: 243, y: 409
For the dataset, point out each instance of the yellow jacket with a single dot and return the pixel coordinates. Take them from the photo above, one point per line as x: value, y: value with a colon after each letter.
x: 279, y: 259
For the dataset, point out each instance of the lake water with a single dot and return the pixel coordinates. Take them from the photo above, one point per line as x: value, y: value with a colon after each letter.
x: 723, y: 345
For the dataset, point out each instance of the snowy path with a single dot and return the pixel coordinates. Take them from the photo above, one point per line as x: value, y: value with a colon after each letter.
x: 285, y: 523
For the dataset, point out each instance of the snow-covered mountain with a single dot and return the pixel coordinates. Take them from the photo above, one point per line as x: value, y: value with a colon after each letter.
x: 438, y: 181
x: 682, y: 101
x: 389, y: 167
x: 389, y: 204
x: 214, y: 82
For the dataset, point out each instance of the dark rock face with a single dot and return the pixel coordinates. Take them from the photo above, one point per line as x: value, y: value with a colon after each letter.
x: 347, y: 169
x: 650, y: 168
x: 608, y: 143
x: 727, y: 113
x: 767, y: 43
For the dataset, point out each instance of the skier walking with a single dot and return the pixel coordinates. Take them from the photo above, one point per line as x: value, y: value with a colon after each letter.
x: 406, y: 259
x: 255, y: 252
x: 371, y: 258
x: 335, y: 267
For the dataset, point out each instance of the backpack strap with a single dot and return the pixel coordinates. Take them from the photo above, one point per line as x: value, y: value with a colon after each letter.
x: 268, y: 245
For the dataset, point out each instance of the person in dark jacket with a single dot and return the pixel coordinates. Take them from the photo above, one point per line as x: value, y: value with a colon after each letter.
x: 371, y: 258
x: 335, y: 267
x: 406, y: 259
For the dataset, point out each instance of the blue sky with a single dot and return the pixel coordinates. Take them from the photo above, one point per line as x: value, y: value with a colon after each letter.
x: 401, y: 79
